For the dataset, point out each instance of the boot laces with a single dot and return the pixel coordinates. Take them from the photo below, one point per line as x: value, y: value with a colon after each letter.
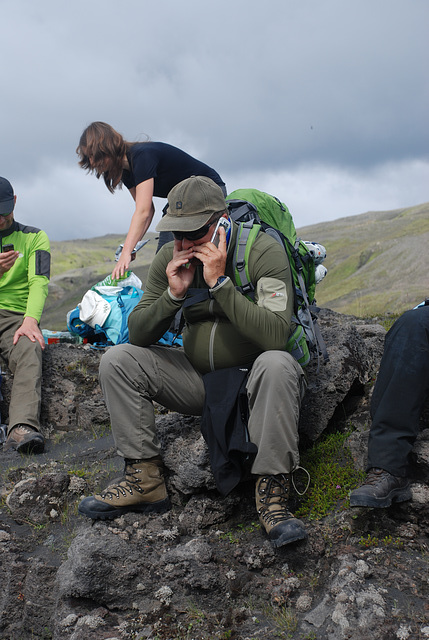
x: 275, y: 495
x: 23, y: 429
x: 375, y: 476
x: 129, y: 483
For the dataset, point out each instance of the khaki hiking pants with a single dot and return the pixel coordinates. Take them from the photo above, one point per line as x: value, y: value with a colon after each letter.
x: 131, y: 377
x: 25, y: 362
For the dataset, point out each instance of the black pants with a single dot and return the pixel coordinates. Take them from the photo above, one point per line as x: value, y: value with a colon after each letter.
x: 400, y: 392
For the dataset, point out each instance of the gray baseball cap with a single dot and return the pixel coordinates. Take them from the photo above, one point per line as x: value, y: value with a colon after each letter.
x: 191, y: 204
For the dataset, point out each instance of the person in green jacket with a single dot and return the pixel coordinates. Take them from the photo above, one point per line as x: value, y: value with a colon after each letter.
x: 223, y: 330
x: 24, y: 274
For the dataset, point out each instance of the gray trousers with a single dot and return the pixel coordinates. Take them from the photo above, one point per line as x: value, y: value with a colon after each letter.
x: 131, y: 377
x: 25, y: 362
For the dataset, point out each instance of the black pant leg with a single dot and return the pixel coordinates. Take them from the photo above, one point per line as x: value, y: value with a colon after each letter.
x: 400, y: 392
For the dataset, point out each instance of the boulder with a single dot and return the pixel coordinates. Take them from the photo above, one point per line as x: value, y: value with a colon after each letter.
x: 72, y: 397
x: 337, y: 387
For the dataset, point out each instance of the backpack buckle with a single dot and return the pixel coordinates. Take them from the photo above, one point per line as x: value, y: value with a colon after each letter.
x: 240, y: 265
x: 247, y: 288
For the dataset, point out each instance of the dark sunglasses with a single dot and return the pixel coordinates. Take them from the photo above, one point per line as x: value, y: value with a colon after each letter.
x: 192, y: 235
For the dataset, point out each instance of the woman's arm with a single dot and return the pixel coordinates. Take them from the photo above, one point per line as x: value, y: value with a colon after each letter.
x: 140, y: 222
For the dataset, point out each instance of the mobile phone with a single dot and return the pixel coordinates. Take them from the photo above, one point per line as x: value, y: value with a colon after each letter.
x: 222, y: 222
x: 7, y: 247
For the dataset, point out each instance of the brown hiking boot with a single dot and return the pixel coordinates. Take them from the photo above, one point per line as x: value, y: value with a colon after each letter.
x: 380, y: 489
x: 25, y: 439
x: 141, y: 489
x: 272, y: 496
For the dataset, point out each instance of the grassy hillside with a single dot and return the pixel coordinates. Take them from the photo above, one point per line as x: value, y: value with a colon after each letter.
x: 377, y: 261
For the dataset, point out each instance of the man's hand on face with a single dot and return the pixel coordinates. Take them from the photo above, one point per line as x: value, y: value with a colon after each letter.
x: 29, y: 328
x: 180, y: 270
x: 7, y: 260
x: 187, y: 255
x: 213, y: 258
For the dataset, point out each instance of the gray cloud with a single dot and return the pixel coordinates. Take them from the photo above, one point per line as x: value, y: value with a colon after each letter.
x: 308, y: 98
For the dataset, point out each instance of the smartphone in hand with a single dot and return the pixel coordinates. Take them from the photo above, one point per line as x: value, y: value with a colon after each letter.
x: 7, y: 247
x: 222, y: 222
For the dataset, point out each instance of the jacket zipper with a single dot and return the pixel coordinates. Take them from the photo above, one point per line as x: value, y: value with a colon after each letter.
x: 212, y: 337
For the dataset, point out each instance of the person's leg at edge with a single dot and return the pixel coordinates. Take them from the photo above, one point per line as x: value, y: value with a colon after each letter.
x: 131, y: 378
x: 275, y: 389
x: 25, y: 362
x: 400, y: 391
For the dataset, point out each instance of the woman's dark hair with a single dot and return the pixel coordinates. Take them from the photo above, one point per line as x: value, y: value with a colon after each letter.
x: 101, y: 150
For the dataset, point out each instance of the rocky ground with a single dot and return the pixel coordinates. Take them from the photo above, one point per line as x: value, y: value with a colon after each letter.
x: 205, y: 570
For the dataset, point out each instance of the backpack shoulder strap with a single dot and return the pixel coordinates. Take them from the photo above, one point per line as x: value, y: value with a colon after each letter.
x: 312, y: 309
x: 246, y: 235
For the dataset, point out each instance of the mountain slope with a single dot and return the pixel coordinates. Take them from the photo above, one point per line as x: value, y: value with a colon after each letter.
x: 377, y: 261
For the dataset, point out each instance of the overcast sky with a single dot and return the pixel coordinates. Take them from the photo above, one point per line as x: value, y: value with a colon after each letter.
x: 323, y: 103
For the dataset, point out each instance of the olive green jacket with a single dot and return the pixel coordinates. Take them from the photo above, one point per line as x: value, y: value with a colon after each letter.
x: 227, y: 329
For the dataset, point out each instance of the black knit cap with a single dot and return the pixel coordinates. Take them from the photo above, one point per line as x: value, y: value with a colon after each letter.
x: 7, y: 197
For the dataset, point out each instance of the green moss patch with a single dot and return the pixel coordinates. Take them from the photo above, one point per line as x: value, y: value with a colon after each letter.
x: 332, y: 474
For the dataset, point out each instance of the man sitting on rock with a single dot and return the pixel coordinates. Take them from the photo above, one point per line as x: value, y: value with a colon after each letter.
x: 223, y: 330
x: 399, y: 395
x: 25, y: 261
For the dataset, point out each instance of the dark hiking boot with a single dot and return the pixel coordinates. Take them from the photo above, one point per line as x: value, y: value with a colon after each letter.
x: 272, y: 496
x: 142, y: 489
x: 25, y: 439
x: 380, y: 489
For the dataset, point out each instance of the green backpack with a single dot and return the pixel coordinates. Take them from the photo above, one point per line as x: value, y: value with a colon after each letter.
x: 256, y: 211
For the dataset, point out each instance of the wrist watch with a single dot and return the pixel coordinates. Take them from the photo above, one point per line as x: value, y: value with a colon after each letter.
x: 220, y: 280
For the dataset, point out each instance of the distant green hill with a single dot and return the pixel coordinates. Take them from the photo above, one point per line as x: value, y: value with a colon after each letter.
x: 377, y: 263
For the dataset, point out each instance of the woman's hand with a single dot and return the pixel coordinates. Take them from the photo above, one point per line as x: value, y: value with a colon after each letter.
x: 122, y: 264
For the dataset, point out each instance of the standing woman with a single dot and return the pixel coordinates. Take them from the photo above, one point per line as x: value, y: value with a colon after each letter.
x: 147, y: 169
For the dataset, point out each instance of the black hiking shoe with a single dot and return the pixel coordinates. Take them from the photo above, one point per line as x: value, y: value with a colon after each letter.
x: 25, y: 439
x: 380, y: 489
x: 141, y: 489
x: 272, y: 496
